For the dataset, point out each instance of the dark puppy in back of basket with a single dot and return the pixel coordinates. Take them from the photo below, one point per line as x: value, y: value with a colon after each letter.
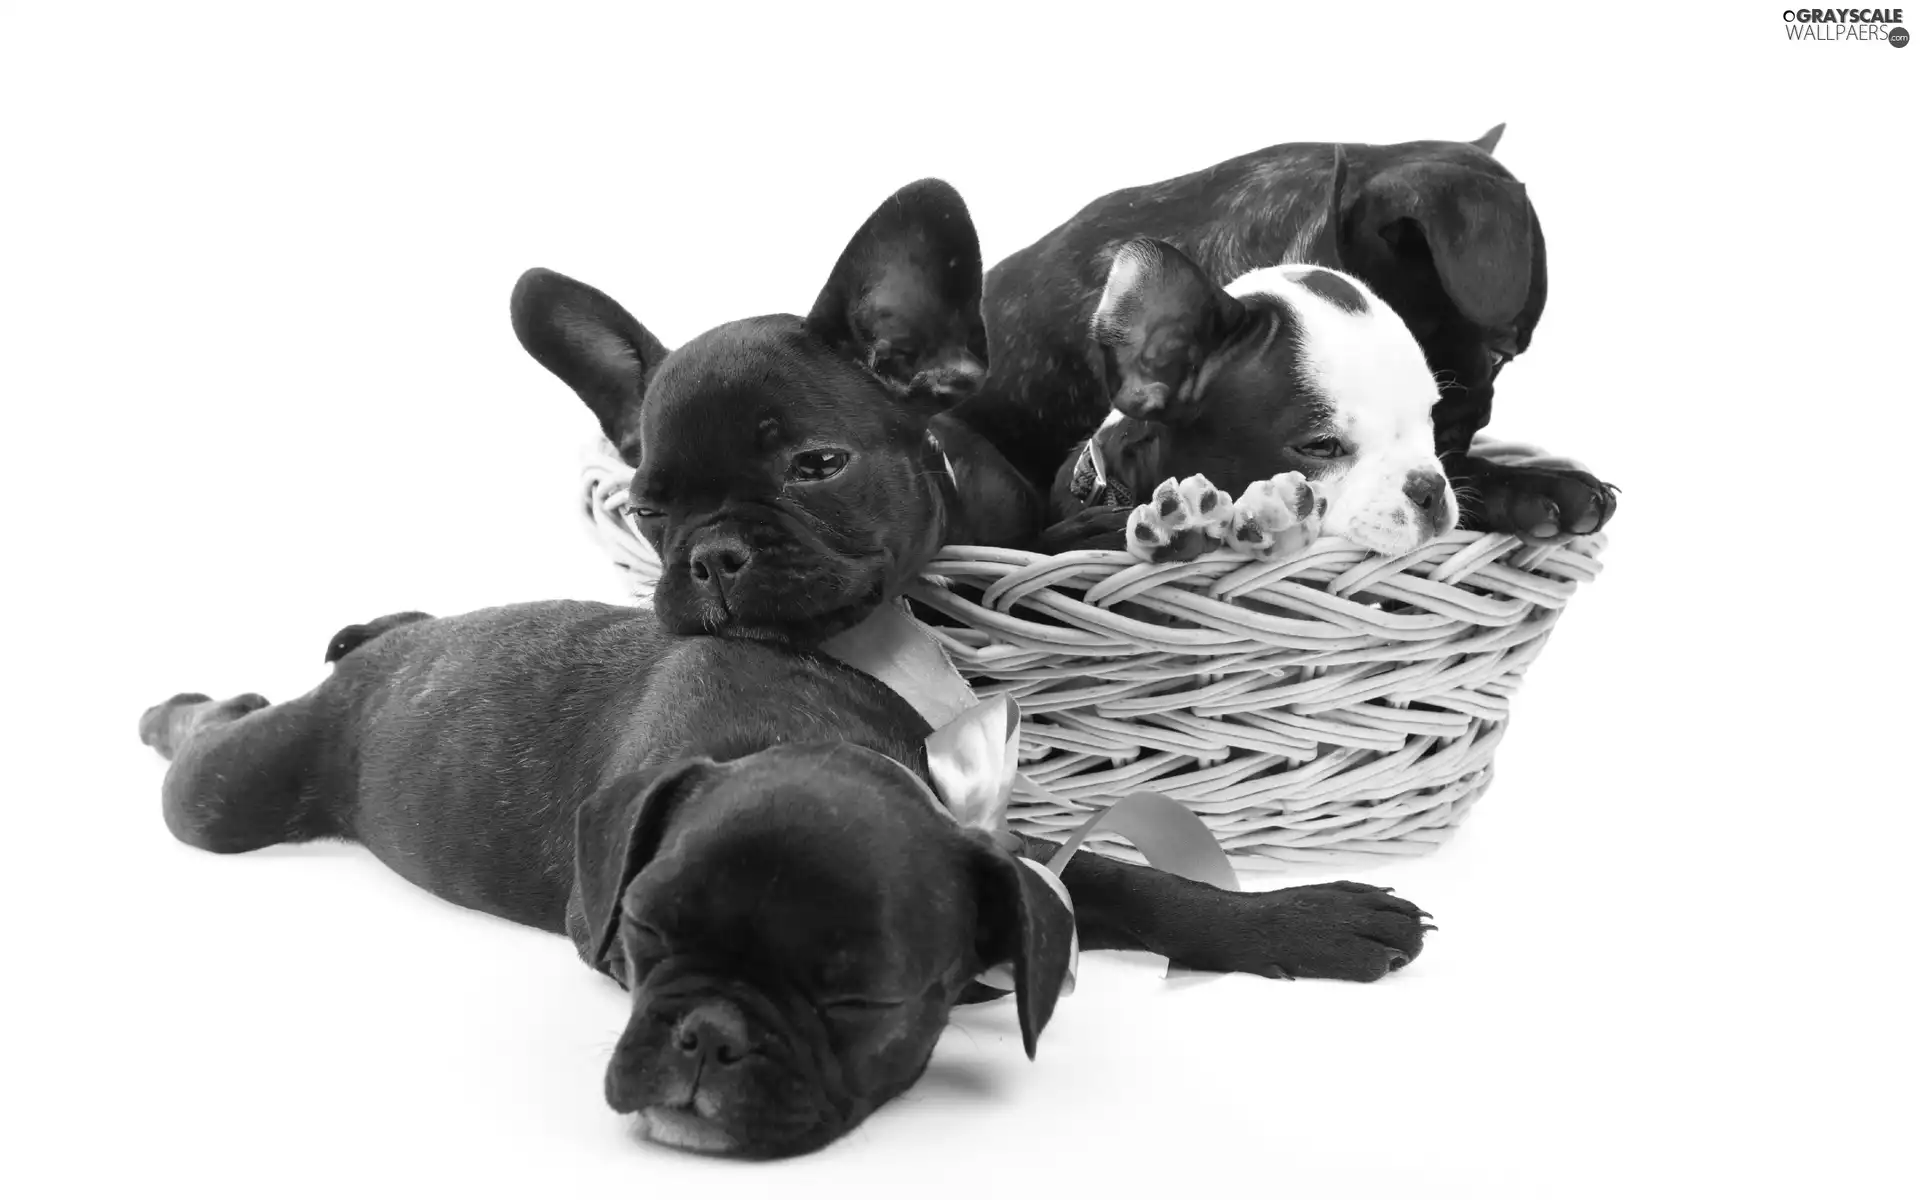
x: 736, y: 828
x: 1439, y: 230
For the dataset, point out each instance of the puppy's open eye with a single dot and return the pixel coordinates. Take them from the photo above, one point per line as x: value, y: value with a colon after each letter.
x: 1326, y: 447
x: 811, y: 466
x: 641, y: 512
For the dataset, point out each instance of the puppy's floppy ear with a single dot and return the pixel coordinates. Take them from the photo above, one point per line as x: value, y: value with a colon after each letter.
x: 580, y: 334
x: 615, y: 834
x: 1135, y: 456
x: 1476, y: 226
x: 904, y: 299
x: 1022, y: 922
x: 1491, y: 138
x: 1157, y: 321
x: 1325, y: 251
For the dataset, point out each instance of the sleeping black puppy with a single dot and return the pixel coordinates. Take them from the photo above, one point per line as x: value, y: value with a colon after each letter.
x: 1439, y: 230
x: 736, y: 828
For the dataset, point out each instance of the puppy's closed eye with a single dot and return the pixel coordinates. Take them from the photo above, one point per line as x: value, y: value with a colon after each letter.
x: 860, y: 1005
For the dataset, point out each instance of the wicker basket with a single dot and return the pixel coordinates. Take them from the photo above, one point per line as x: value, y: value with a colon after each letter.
x: 1330, y: 708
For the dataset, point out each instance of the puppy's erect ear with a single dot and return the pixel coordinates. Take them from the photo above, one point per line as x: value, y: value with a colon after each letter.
x: 1023, y: 923
x: 1491, y: 138
x: 904, y: 299
x: 615, y: 834
x: 1325, y: 251
x: 1477, y: 227
x: 1158, y: 320
x: 592, y: 344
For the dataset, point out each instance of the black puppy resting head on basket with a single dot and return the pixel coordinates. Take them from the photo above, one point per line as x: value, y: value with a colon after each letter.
x: 763, y: 449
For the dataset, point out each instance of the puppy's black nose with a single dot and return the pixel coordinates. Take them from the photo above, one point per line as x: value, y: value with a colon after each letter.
x: 717, y: 562
x: 713, y: 1033
x: 1428, y: 492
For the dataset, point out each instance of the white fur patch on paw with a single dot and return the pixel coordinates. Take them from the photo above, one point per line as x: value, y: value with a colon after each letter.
x: 1185, y: 519
x: 1277, y: 517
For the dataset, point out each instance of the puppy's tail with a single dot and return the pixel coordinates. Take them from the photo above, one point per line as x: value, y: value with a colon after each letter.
x: 355, y: 636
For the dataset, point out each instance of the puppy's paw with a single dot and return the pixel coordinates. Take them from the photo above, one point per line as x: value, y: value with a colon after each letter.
x: 1098, y: 527
x: 1185, y: 519
x: 1539, y: 504
x: 167, y: 725
x: 1277, y: 517
x: 1338, y: 930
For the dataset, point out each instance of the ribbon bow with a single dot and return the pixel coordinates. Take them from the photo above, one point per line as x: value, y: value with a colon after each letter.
x: 974, y: 761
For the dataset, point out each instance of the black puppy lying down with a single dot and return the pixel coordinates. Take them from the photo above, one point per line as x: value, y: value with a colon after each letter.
x: 737, y: 829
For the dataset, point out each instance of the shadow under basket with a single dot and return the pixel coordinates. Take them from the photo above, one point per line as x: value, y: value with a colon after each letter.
x: 1331, y: 708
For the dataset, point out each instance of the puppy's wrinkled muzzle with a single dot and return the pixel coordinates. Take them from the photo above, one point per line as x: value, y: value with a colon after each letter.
x: 1396, y: 522
x: 700, y: 1073
x: 717, y: 563
x: 771, y: 578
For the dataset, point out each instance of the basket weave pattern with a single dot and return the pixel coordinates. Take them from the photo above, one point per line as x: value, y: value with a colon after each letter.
x: 1329, y: 708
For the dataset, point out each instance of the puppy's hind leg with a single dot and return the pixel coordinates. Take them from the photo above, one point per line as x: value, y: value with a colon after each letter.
x: 245, y: 773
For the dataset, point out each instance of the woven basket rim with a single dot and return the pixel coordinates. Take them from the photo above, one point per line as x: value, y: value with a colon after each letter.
x: 1330, y: 707
x: 1119, y: 570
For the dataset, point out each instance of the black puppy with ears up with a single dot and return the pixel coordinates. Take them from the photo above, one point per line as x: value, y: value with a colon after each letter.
x: 738, y: 830
x: 833, y: 422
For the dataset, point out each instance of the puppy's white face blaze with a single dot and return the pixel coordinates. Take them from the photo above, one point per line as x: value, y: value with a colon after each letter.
x: 1357, y: 356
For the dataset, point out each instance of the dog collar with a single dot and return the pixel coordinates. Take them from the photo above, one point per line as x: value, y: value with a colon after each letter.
x: 951, y: 486
x: 1090, y: 484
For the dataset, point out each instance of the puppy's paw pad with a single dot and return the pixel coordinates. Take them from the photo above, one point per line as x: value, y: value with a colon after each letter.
x: 1278, y: 516
x: 1208, y: 508
x: 1150, y: 543
x: 1184, y: 519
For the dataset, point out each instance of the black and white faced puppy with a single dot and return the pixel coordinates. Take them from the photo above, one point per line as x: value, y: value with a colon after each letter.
x: 1439, y: 230
x: 791, y: 471
x: 1293, y: 387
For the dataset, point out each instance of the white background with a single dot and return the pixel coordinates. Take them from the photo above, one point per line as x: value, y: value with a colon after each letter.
x: 259, y: 382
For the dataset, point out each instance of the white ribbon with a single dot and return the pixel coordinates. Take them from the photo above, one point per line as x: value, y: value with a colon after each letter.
x: 974, y: 759
x: 973, y: 756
